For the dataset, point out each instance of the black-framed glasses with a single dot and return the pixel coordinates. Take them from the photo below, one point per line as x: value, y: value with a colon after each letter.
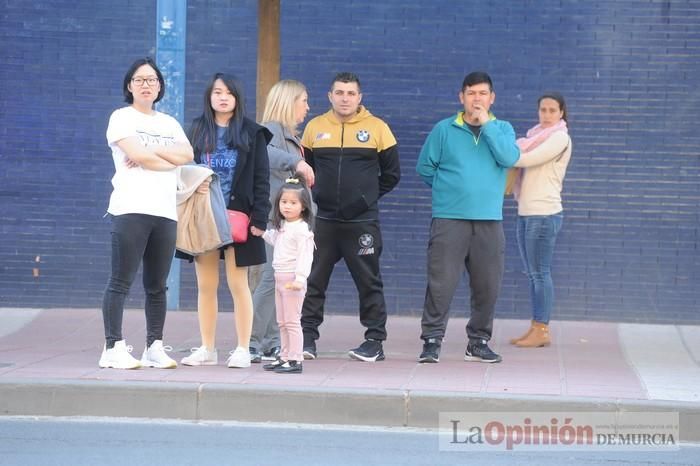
x: 139, y: 81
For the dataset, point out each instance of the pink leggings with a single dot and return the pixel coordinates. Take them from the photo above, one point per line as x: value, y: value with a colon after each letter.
x: 288, y: 304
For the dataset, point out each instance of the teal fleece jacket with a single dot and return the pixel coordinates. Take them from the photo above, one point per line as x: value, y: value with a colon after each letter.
x: 467, y: 173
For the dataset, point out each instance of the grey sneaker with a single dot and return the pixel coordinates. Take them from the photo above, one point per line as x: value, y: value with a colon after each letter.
x: 479, y: 351
x: 272, y: 354
x: 255, y: 357
x: 431, y: 350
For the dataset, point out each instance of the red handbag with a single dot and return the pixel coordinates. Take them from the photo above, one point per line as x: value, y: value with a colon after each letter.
x: 240, y: 223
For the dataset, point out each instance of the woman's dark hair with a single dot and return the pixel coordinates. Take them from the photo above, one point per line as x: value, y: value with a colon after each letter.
x: 295, y: 183
x: 559, y: 99
x: 203, y: 131
x: 128, y: 96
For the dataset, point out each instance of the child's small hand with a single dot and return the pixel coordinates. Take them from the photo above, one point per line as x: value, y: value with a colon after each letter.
x: 294, y: 286
x: 130, y: 163
x: 256, y: 231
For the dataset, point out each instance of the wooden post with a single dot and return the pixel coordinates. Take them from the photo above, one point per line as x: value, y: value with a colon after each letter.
x: 268, y: 51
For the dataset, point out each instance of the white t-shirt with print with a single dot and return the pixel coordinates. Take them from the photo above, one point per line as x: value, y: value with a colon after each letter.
x: 140, y: 190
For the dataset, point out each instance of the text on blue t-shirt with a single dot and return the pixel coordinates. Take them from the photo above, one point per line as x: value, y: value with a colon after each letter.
x: 223, y: 162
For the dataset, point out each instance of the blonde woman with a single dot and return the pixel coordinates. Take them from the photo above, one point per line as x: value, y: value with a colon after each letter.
x: 286, y: 107
x: 235, y: 147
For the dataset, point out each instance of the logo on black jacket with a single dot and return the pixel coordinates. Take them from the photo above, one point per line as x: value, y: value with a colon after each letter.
x: 363, y: 135
x: 366, y: 242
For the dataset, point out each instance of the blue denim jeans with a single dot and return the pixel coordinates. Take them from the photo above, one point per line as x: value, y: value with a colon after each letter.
x: 537, y: 235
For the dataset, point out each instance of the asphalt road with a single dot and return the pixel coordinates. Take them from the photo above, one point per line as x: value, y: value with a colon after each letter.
x: 105, y: 442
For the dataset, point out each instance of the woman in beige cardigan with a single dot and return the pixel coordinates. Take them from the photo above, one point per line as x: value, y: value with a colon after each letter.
x: 545, y: 154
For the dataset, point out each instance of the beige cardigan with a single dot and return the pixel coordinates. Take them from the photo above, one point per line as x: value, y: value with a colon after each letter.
x: 543, y: 177
x: 197, y: 229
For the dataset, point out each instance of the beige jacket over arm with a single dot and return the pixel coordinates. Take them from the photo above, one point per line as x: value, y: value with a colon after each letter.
x: 543, y: 177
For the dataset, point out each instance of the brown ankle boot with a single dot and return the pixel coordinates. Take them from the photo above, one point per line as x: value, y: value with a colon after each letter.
x: 513, y: 341
x: 539, y: 336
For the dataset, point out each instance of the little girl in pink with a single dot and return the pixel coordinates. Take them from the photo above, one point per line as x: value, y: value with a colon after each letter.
x: 293, y: 243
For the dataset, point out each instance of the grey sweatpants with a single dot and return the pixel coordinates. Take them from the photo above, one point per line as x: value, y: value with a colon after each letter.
x: 265, y: 334
x: 478, y: 246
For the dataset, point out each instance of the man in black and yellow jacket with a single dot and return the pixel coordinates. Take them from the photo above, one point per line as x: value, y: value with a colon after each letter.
x: 356, y: 161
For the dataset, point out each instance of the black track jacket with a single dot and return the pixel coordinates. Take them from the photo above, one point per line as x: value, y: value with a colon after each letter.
x: 355, y: 163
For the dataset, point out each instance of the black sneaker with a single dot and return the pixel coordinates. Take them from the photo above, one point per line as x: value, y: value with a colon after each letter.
x: 254, y: 356
x: 310, y: 351
x: 479, y: 351
x: 368, y: 351
x: 271, y: 354
x: 431, y: 350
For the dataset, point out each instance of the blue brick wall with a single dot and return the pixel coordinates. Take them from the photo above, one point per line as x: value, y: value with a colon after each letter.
x: 629, y: 247
x: 62, y: 68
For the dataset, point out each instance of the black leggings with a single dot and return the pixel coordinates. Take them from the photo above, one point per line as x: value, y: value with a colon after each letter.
x: 137, y: 237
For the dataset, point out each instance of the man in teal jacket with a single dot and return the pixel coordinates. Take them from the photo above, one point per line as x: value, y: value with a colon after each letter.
x: 464, y: 160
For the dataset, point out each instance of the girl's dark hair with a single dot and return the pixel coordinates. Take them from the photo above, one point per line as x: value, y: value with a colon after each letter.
x: 202, y: 134
x: 295, y: 183
x: 128, y: 96
x: 559, y: 99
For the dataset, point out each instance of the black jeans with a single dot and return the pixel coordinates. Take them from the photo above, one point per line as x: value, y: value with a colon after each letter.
x: 137, y: 238
x: 360, y: 245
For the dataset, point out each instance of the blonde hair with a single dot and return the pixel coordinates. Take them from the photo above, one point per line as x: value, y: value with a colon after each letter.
x: 279, y: 105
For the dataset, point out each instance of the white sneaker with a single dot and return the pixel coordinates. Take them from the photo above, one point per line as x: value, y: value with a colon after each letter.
x: 239, y: 358
x: 118, y: 357
x: 201, y: 357
x: 154, y: 356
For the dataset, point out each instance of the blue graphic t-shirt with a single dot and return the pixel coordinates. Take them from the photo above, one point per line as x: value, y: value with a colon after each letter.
x: 223, y: 162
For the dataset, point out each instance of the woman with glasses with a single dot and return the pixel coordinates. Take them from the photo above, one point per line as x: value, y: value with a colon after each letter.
x: 235, y: 147
x: 146, y: 147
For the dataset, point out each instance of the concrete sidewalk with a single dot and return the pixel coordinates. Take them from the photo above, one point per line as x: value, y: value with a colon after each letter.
x: 48, y: 366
